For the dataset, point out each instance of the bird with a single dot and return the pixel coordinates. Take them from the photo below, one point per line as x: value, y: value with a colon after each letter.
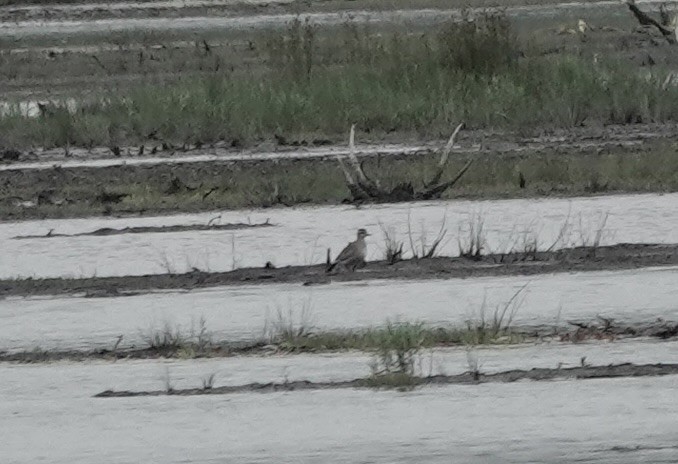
x: 353, y: 255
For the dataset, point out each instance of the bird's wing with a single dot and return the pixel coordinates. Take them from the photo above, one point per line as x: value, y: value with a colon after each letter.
x: 346, y: 253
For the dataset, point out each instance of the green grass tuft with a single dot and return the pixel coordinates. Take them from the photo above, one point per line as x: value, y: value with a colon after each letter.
x: 414, y: 84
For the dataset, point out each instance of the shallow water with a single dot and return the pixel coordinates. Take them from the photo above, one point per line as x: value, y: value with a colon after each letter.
x: 303, y: 235
x: 568, y: 421
x: 243, y: 313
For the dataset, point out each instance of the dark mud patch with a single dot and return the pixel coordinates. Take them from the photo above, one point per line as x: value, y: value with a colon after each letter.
x: 580, y: 259
x: 563, y: 163
x: 357, y: 340
x: 105, y: 231
x: 469, y: 378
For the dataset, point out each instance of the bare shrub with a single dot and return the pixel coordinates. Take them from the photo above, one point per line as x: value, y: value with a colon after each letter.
x: 393, y: 248
x: 423, y: 249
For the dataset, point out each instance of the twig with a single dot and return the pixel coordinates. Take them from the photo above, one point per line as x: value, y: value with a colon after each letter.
x: 445, y: 156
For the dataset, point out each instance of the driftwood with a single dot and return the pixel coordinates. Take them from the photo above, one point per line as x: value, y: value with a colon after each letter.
x: 666, y: 25
x: 365, y: 189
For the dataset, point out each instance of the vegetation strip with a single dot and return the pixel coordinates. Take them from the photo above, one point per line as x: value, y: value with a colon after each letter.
x: 526, y: 262
x: 468, y: 378
x: 407, y: 338
x: 105, y: 231
x: 475, y: 70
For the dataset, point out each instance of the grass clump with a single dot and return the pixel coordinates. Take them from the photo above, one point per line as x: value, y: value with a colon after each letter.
x: 396, y: 347
x: 497, y: 328
x: 394, y: 344
x: 173, y: 341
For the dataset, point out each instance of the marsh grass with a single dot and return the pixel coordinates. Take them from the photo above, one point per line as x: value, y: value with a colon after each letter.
x: 395, y: 345
x: 496, y: 327
x: 413, y: 84
x: 289, y: 329
x: 174, y: 340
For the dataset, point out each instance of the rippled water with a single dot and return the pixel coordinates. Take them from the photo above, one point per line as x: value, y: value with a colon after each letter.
x: 302, y: 235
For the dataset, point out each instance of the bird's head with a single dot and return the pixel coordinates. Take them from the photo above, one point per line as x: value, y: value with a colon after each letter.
x: 362, y: 233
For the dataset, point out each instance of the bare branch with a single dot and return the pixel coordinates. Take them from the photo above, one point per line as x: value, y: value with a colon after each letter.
x: 436, y: 243
x: 366, y: 182
x: 357, y: 190
x: 445, y: 156
x: 436, y: 191
x: 450, y: 144
x: 646, y: 20
x: 347, y: 175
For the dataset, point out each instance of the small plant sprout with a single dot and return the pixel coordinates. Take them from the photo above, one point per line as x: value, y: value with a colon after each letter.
x: 166, y: 264
x: 473, y: 246
x: 472, y: 363
x: 167, y: 380
x: 208, y: 381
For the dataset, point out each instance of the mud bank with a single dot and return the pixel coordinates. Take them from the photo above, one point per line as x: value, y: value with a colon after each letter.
x: 565, y: 164
x: 615, y: 257
x: 470, y: 378
x: 106, y: 231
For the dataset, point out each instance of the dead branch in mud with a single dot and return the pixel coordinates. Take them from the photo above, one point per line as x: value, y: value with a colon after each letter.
x: 667, y: 26
x: 363, y: 188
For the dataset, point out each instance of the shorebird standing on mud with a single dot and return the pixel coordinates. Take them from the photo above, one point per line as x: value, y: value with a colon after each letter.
x: 353, y: 255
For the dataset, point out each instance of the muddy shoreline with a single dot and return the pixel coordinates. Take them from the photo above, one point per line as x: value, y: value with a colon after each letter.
x: 468, y: 378
x: 506, y: 143
x: 580, y: 259
x: 106, y: 231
